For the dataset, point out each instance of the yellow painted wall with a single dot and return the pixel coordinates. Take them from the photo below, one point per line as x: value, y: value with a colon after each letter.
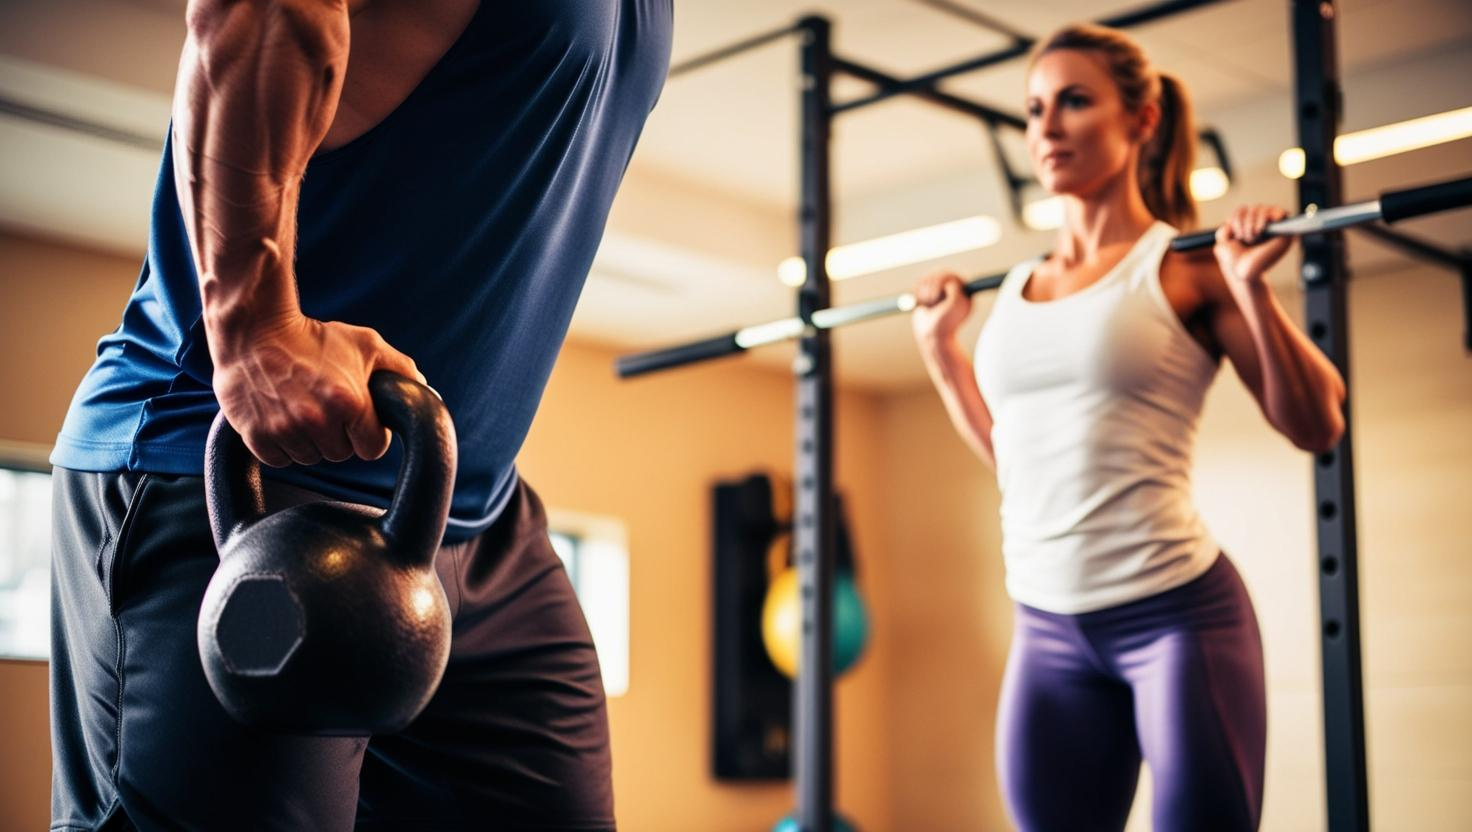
x: 952, y: 620
x: 647, y: 451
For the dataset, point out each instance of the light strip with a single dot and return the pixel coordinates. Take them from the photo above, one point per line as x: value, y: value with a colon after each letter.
x: 1047, y: 214
x: 1387, y: 140
x: 902, y: 249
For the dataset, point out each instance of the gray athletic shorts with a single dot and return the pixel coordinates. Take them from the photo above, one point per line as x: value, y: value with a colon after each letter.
x: 515, y: 738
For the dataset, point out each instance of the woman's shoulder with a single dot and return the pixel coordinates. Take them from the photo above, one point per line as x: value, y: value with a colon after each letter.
x: 1192, y: 285
x: 1196, y: 270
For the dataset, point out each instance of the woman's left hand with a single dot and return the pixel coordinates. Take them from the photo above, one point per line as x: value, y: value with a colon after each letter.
x: 1242, y: 251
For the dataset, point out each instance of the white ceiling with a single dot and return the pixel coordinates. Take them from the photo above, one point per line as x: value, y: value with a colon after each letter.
x: 708, y: 207
x: 744, y: 109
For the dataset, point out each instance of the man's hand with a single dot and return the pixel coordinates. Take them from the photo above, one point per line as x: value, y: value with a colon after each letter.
x: 299, y: 392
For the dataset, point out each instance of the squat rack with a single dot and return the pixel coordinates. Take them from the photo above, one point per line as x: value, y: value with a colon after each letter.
x: 1323, y: 271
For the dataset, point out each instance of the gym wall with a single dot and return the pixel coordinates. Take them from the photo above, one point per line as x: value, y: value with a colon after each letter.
x: 1412, y: 403
x: 915, y: 733
x: 645, y: 452
x: 57, y: 302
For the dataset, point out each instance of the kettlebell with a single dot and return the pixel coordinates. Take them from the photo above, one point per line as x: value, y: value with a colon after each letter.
x: 328, y: 618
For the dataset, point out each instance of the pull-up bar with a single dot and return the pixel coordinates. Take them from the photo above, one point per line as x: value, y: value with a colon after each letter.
x: 925, y: 87
x: 1019, y: 47
x: 1390, y: 207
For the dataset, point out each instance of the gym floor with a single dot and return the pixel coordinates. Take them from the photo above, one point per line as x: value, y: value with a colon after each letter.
x: 915, y: 718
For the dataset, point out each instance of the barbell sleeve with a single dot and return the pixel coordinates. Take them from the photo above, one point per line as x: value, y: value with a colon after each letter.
x: 1428, y: 199
x: 1391, y: 207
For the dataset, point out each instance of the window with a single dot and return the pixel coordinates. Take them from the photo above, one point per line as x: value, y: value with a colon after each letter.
x: 596, y: 555
x: 566, y: 547
x: 593, y: 550
x: 25, y: 552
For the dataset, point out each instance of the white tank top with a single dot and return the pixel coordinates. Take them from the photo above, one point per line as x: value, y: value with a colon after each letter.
x: 1095, y: 398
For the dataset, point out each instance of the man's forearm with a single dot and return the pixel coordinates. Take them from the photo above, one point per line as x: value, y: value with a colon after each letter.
x: 258, y: 86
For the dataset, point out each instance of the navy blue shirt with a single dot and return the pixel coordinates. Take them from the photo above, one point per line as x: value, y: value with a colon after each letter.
x: 461, y: 227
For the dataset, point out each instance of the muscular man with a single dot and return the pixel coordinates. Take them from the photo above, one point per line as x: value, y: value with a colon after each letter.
x: 347, y: 186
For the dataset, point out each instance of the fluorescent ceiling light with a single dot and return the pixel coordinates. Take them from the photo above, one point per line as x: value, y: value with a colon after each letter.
x: 902, y: 249
x: 1047, y: 214
x: 1378, y: 142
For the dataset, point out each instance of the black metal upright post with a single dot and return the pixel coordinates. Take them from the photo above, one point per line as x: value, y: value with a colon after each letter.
x: 1317, y: 97
x: 814, y: 531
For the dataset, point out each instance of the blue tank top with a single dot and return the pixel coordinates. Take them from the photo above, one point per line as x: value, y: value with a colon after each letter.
x: 461, y: 227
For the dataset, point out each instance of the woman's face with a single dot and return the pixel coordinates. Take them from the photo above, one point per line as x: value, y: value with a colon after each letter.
x: 1079, y: 134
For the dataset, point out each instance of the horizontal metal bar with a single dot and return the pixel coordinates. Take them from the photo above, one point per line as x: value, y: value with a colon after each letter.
x: 1424, y: 249
x: 889, y: 86
x: 771, y: 332
x: 629, y: 366
x: 985, y: 284
x: 883, y: 80
x: 1439, y: 196
x: 1296, y: 226
x: 1327, y: 219
x: 1147, y: 14
x: 1406, y: 203
x: 883, y: 307
x: 716, y: 55
x: 782, y: 329
x: 838, y: 316
x: 929, y: 80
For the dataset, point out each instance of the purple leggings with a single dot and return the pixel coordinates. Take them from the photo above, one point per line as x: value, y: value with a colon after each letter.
x: 1177, y: 675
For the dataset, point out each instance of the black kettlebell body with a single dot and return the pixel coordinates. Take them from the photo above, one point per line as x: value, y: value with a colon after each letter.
x: 327, y: 617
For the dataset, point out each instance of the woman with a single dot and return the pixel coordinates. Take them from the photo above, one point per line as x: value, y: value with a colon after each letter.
x: 1134, y: 634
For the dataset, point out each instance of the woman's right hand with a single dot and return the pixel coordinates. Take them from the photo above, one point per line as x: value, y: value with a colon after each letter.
x: 941, y: 306
x: 298, y: 392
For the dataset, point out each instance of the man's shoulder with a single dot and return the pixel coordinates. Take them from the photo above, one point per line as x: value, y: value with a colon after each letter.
x: 393, y: 45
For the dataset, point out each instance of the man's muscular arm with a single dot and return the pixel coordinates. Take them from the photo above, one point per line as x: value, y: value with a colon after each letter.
x: 258, y: 87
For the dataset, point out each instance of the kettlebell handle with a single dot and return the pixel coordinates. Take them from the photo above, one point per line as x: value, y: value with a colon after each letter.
x: 415, y: 520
